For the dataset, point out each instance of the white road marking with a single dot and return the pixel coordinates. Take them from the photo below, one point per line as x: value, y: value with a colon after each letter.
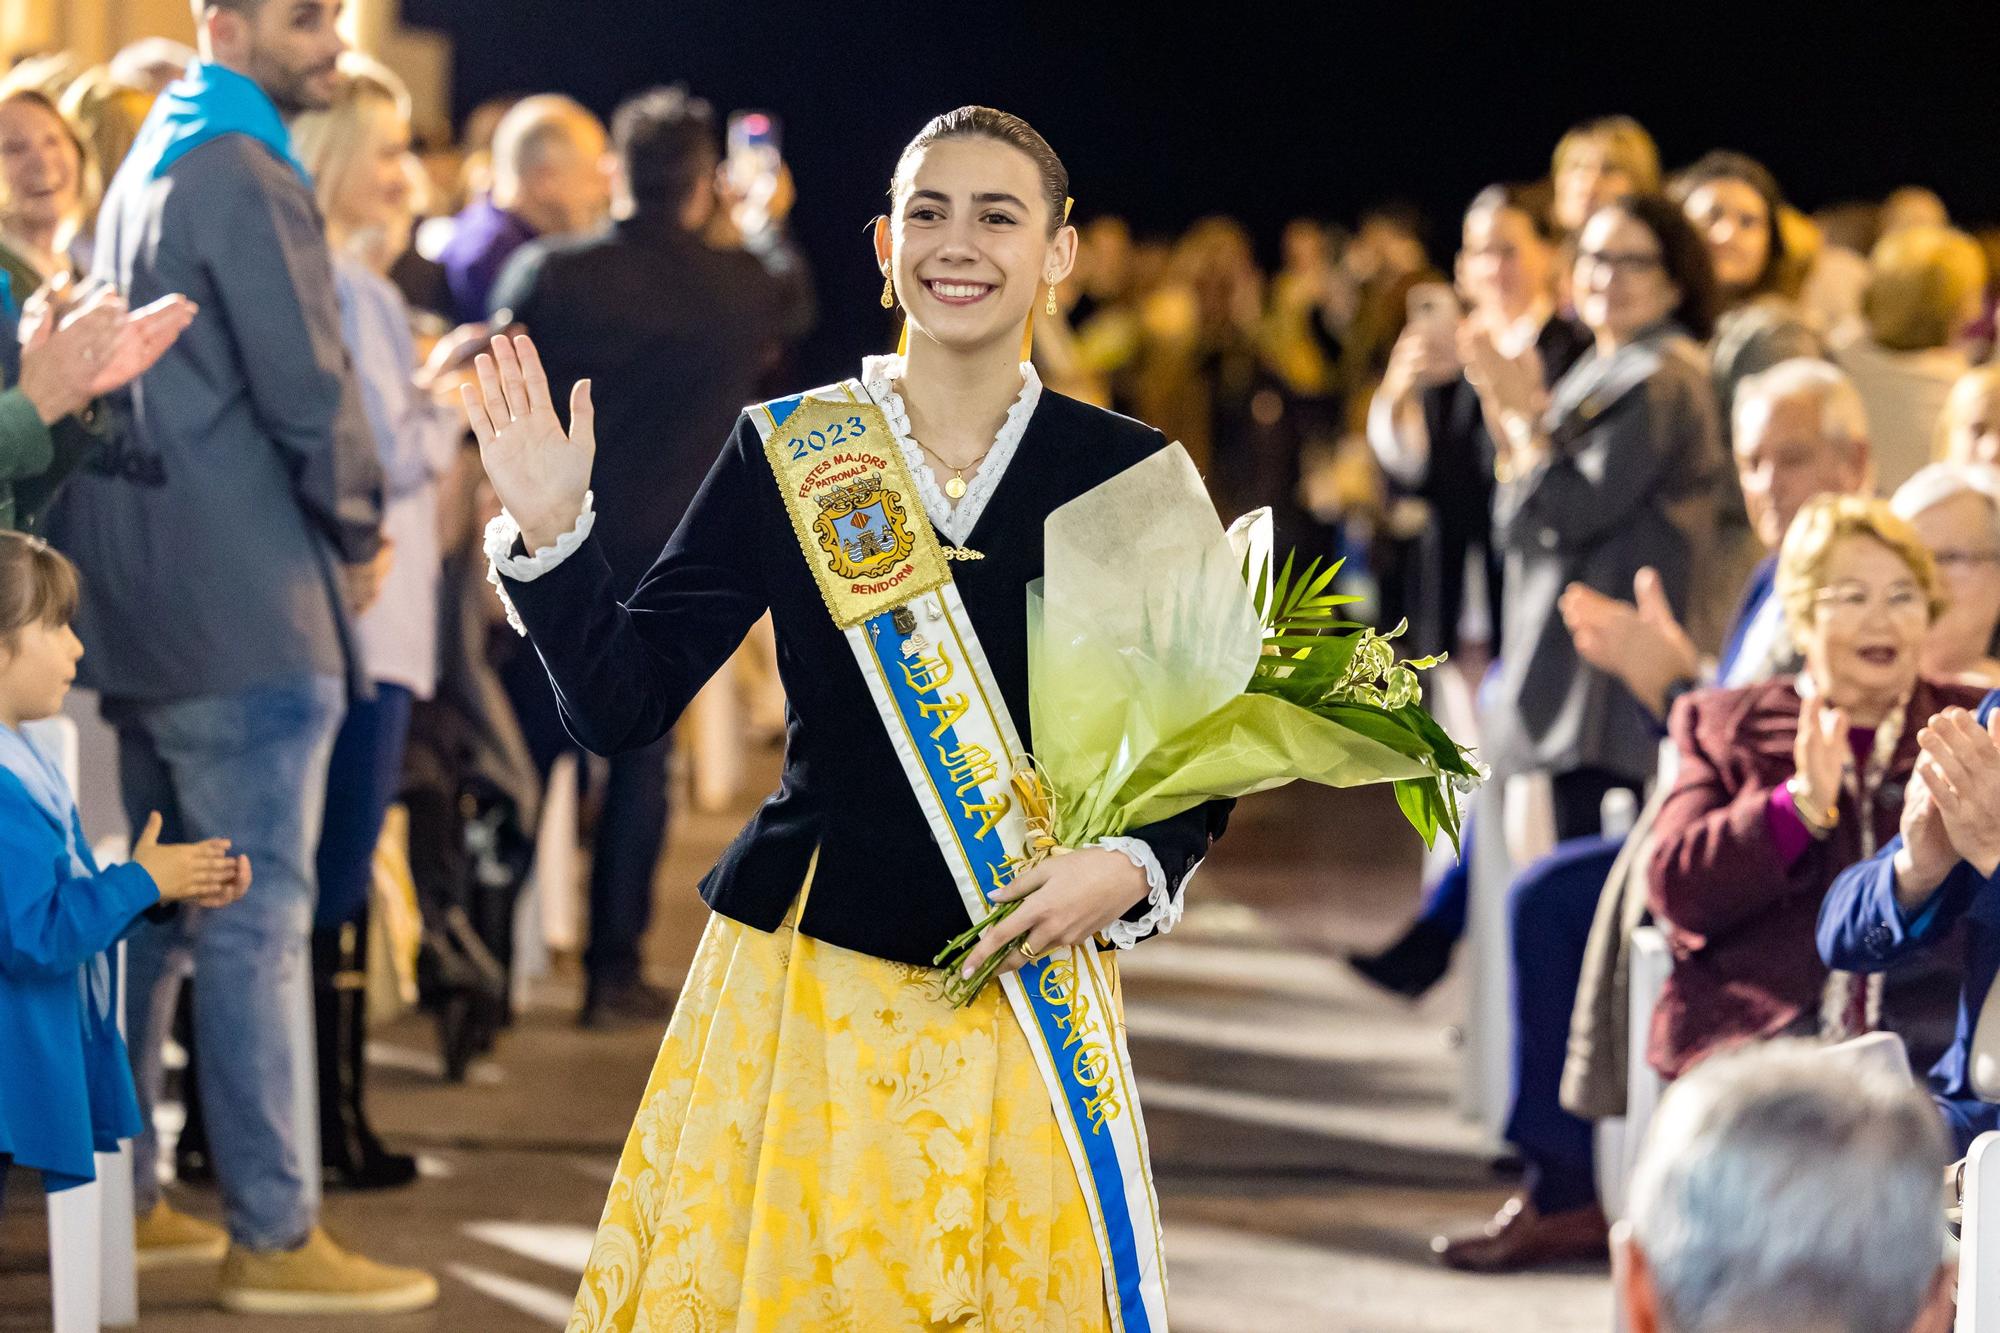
x: 383, y: 1055
x: 529, y: 1299
x: 558, y: 1245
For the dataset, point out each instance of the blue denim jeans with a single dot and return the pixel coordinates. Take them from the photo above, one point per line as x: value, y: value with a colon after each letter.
x: 250, y: 767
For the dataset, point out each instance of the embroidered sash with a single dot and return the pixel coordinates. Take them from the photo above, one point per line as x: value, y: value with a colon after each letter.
x: 854, y: 507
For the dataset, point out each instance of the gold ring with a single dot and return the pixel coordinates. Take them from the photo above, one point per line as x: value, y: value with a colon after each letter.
x: 1027, y: 950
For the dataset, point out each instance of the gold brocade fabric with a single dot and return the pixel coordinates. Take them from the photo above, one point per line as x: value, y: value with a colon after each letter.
x: 826, y: 1145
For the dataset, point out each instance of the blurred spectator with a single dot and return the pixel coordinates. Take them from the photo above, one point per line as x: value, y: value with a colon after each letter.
x: 1786, y: 1188
x: 1800, y: 432
x: 41, y: 192
x: 1936, y: 880
x: 1955, y: 509
x: 1610, y: 473
x: 1925, y: 285
x: 106, y: 115
x: 1803, y: 243
x: 1425, y: 423
x: 1200, y: 363
x: 1381, y: 264
x: 1781, y: 786
x: 1913, y: 206
x: 550, y: 178
x: 247, y: 481
x: 1832, y: 292
x: 1735, y: 204
x: 1597, y: 162
x: 358, y: 152
x: 654, y: 291
x: 151, y: 63
x: 1969, y: 427
x: 1104, y: 312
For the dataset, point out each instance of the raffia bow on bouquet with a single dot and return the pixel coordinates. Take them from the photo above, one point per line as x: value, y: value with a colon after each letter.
x: 1170, y: 665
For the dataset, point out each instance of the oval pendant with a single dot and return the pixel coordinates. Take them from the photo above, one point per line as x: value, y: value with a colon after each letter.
x: 955, y: 488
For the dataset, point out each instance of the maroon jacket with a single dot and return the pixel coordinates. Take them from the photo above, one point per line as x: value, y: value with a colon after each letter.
x: 1740, y: 924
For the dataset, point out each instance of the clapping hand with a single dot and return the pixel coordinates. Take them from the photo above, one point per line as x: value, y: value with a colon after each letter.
x: 540, y: 473
x: 1821, y: 755
x: 143, y: 338
x: 66, y: 344
x: 1960, y: 765
x: 1640, y: 642
x: 202, y: 874
x: 1927, y: 855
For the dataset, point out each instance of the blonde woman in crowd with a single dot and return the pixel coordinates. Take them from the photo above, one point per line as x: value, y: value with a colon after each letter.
x: 42, y: 185
x: 1925, y: 285
x: 1597, y: 162
x: 1969, y: 429
x: 1783, y: 785
x: 1955, y: 509
x: 358, y: 151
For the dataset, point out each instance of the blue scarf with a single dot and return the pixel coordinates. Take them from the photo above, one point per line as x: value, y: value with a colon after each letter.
x: 206, y: 103
x: 30, y: 761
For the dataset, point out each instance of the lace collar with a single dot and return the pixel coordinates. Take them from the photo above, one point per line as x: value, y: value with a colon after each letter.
x: 880, y: 374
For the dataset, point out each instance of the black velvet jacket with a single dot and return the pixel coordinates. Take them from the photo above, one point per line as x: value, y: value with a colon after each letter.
x: 623, y: 674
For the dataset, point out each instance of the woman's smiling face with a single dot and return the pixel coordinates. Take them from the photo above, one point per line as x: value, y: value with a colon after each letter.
x: 970, y: 241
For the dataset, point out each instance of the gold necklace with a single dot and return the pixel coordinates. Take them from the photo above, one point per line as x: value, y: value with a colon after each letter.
x: 955, y: 488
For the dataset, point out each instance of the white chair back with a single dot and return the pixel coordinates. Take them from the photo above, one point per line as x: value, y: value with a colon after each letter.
x: 1979, y: 1240
x: 93, y: 1273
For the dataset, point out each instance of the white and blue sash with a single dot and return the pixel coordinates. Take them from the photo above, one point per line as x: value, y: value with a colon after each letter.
x: 861, y: 527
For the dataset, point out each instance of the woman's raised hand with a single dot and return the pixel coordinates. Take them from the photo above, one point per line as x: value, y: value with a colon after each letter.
x: 540, y: 474
x: 1821, y: 753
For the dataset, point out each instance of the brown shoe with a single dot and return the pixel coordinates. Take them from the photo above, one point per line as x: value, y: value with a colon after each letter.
x: 1520, y: 1238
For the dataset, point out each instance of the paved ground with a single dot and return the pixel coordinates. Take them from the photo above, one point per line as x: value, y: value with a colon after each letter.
x: 1302, y: 1126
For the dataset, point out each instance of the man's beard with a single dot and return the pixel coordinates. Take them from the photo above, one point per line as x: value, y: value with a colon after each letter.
x: 292, y: 90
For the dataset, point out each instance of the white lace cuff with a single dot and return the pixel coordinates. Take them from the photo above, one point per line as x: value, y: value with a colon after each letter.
x: 503, y: 532
x: 1163, y: 910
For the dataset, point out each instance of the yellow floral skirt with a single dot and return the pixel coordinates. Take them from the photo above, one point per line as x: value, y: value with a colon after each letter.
x: 826, y: 1145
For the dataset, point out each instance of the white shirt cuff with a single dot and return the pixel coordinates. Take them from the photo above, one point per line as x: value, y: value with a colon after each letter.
x: 1403, y: 454
x: 503, y: 532
x: 1163, y: 912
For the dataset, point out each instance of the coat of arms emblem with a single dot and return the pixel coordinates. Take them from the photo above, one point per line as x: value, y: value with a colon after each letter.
x: 863, y: 528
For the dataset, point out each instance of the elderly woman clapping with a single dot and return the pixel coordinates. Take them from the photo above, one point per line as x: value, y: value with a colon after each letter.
x: 1783, y: 785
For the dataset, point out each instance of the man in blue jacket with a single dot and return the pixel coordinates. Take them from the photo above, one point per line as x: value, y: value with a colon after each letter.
x: 226, y: 540
x: 1941, y: 869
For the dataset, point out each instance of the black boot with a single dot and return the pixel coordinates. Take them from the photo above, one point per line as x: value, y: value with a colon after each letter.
x: 1413, y: 964
x: 193, y: 1164
x: 350, y: 1154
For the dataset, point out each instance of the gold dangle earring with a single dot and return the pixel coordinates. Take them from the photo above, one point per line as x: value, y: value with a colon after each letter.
x: 1051, y: 306
x: 888, y: 292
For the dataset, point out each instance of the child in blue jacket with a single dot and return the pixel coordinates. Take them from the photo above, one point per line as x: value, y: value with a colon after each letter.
x: 65, y: 1083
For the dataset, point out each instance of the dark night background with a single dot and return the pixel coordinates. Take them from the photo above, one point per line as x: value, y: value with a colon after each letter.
x: 1267, y: 112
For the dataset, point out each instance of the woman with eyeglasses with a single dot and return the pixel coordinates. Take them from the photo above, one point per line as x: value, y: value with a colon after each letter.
x: 1955, y: 508
x: 1783, y: 785
x: 1607, y: 473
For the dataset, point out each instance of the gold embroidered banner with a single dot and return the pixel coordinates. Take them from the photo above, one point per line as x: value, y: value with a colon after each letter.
x: 854, y: 507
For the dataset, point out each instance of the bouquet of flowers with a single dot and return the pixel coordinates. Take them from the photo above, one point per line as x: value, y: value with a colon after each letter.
x: 1170, y: 664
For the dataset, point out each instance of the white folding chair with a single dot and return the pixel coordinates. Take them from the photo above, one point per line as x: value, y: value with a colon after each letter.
x: 1651, y: 964
x: 93, y: 1272
x: 1979, y: 1239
